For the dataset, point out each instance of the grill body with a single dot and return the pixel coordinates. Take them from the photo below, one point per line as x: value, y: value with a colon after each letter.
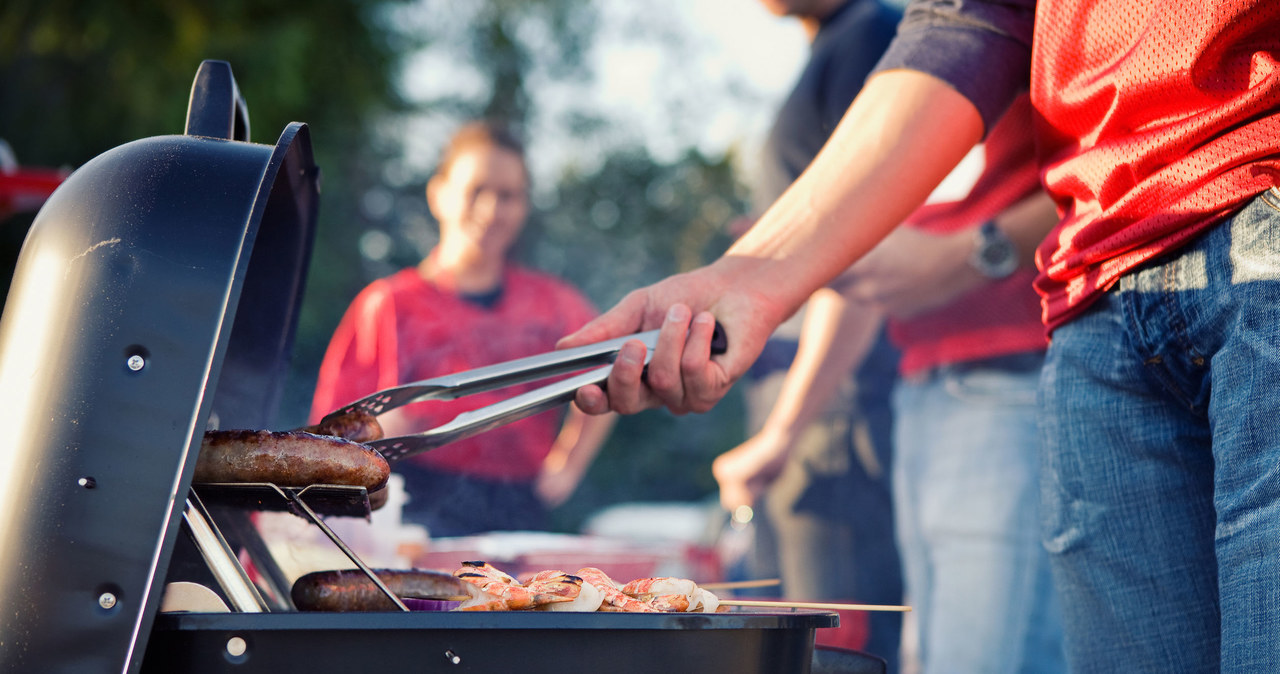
x: 155, y: 272
x: 157, y: 295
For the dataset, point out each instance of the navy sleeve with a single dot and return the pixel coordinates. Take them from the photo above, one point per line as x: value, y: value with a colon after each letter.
x: 982, y: 48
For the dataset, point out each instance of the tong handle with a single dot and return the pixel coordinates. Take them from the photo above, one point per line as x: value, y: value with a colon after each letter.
x: 491, y: 377
x: 518, y: 407
x: 510, y: 373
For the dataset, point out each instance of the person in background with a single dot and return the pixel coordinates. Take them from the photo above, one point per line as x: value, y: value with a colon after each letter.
x: 824, y: 525
x: 1158, y: 132
x: 466, y: 305
x: 955, y: 282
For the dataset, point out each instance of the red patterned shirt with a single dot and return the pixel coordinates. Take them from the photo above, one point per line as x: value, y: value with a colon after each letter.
x: 998, y: 318
x: 1156, y: 118
x: 403, y: 328
x: 1159, y: 125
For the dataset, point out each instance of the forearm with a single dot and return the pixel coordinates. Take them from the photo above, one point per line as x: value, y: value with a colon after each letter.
x: 899, y: 139
x: 836, y: 336
x: 578, y: 442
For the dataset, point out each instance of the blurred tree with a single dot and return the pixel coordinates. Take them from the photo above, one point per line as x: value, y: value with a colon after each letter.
x: 78, y: 77
x: 611, y: 225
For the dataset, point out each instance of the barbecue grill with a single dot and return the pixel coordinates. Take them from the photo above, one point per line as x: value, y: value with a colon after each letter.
x: 156, y: 296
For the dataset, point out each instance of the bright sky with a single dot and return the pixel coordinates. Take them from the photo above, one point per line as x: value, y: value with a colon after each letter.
x: 670, y: 74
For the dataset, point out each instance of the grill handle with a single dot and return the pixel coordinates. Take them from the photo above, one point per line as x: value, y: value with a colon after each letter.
x: 216, y: 108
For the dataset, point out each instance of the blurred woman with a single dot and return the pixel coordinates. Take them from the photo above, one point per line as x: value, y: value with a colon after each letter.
x: 466, y: 305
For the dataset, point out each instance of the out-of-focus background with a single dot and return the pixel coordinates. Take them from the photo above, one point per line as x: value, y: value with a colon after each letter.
x: 642, y: 120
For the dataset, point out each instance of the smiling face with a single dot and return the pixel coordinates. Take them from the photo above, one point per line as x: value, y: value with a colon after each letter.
x: 481, y: 200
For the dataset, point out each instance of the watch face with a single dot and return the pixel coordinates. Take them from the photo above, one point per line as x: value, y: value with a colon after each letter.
x: 994, y: 256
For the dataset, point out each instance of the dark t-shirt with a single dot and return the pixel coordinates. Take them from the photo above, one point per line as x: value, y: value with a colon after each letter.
x: 845, y: 50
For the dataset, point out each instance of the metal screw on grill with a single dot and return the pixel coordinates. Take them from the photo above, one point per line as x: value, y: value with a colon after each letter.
x: 107, y: 600
x: 87, y: 482
x: 135, y: 362
x: 236, y: 647
x: 452, y: 658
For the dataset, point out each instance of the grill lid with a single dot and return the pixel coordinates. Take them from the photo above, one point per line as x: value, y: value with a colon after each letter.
x: 157, y: 290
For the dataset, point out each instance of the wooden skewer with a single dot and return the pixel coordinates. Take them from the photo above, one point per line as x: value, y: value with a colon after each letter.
x: 812, y: 604
x: 741, y: 584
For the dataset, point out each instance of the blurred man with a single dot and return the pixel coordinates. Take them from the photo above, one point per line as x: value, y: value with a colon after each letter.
x: 466, y: 306
x: 1158, y: 137
x: 824, y: 525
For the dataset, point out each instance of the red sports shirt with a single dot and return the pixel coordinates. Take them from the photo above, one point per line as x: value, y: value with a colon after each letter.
x: 403, y: 328
x: 1156, y: 123
x: 999, y: 318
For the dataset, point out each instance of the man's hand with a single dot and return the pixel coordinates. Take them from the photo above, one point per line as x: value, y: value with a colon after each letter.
x: 746, y: 471
x: 554, y: 486
x: 682, y: 375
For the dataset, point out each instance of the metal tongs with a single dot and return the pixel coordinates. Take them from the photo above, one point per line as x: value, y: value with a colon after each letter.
x: 598, y: 356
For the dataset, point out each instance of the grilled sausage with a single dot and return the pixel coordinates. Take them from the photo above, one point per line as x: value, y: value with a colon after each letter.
x: 357, y: 425
x: 288, y: 459
x: 351, y: 590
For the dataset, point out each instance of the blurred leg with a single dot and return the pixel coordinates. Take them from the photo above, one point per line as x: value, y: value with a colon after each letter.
x: 968, y: 456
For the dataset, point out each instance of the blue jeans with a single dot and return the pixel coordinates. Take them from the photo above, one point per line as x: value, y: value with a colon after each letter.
x: 1161, y: 483
x: 966, y: 503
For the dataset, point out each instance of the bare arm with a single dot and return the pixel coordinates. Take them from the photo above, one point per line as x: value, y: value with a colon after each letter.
x: 571, y: 455
x: 901, y: 136
x: 836, y: 336
x: 912, y: 272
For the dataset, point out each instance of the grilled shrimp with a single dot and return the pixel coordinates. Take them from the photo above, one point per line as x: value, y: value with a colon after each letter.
x: 614, y: 598
x: 555, y: 583
x: 648, y: 587
x: 487, y: 569
x: 670, y: 603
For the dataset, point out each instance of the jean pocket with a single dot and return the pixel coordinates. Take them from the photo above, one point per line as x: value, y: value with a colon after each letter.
x: 1271, y: 197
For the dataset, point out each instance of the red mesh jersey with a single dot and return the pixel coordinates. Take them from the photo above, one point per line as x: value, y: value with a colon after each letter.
x: 1155, y: 123
x: 998, y: 318
x: 402, y: 329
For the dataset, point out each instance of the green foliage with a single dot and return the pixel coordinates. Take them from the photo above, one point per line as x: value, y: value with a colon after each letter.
x: 78, y: 77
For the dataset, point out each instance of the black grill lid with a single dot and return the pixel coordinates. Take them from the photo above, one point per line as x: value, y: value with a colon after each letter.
x: 157, y: 291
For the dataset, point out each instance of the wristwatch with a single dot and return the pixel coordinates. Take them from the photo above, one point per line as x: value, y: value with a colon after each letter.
x: 994, y: 255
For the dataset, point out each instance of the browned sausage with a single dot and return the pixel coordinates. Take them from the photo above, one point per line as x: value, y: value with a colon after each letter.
x: 357, y: 425
x: 351, y: 590
x: 288, y: 459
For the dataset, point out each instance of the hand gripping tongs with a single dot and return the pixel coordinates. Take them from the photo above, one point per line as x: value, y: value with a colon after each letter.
x: 599, y: 357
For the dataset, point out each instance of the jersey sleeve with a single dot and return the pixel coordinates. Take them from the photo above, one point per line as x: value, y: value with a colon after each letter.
x: 982, y: 48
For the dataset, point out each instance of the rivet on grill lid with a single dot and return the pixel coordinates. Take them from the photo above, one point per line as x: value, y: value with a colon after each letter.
x: 452, y: 657
x: 107, y: 600
x: 87, y: 482
x: 135, y: 362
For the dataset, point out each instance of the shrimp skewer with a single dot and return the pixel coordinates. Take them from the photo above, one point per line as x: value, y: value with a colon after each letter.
x: 648, y: 587
x: 556, y: 583
x: 669, y: 603
x: 498, y: 583
x: 479, y: 600
x: 588, y: 597
x: 614, y: 598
